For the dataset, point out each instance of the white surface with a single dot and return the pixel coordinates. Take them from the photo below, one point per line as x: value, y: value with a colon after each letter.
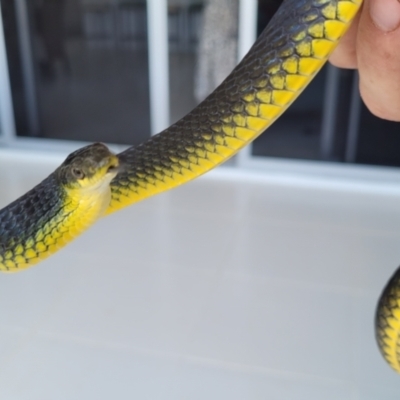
x: 236, y: 286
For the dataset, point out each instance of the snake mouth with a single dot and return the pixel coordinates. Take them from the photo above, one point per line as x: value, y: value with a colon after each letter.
x: 116, y: 168
x: 113, y: 169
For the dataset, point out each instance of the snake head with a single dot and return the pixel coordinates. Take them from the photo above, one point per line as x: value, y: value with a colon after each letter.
x: 90, y: 167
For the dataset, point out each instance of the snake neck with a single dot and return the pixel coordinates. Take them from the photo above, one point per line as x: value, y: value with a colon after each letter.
x: 45, y: 219
x: 87, y: 205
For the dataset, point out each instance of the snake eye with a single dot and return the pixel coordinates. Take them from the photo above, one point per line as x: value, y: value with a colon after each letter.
x: 78, y: 173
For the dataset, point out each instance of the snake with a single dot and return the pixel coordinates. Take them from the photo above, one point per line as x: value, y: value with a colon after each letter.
x: 93, y: 182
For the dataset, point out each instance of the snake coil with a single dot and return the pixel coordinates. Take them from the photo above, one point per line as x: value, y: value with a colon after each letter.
x: 91, y: 182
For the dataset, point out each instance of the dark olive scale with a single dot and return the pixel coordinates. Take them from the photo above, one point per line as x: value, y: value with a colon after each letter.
x: 24, y: 219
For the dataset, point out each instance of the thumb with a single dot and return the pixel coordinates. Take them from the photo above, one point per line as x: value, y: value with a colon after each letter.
x: 385, y: 14
x: 378, y: 58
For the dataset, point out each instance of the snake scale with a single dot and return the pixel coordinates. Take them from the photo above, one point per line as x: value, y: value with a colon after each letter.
x: 93, y: 182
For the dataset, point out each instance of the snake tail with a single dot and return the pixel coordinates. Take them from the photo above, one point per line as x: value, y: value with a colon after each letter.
x: 387, y: 322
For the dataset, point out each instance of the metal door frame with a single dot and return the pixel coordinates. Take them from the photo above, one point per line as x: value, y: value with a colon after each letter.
x: 7, y: 124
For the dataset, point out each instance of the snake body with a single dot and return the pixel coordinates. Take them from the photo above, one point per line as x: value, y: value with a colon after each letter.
x: 93, y: 182
x: 284, y: 59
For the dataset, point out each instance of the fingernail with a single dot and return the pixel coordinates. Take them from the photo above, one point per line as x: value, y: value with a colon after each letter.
x: 385, y: 14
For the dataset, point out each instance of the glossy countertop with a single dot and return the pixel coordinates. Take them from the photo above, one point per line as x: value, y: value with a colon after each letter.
x: 240, y: 285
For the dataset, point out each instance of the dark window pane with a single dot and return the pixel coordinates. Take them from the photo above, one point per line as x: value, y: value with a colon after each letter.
x: 184, y: 27
x: 379, y: 140
x: 89, y: 69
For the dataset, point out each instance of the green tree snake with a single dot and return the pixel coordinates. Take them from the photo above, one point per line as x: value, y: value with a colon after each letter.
x: 93, y: 182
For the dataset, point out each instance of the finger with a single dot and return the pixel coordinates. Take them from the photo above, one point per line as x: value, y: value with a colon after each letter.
x: 378, y: 58
x: 344, y: 56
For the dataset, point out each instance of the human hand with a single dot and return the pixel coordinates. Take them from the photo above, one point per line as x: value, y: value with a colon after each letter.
x: 372, y: 45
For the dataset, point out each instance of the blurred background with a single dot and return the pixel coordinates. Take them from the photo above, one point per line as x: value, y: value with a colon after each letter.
x: 257, y: 281
x: 79, y: 70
